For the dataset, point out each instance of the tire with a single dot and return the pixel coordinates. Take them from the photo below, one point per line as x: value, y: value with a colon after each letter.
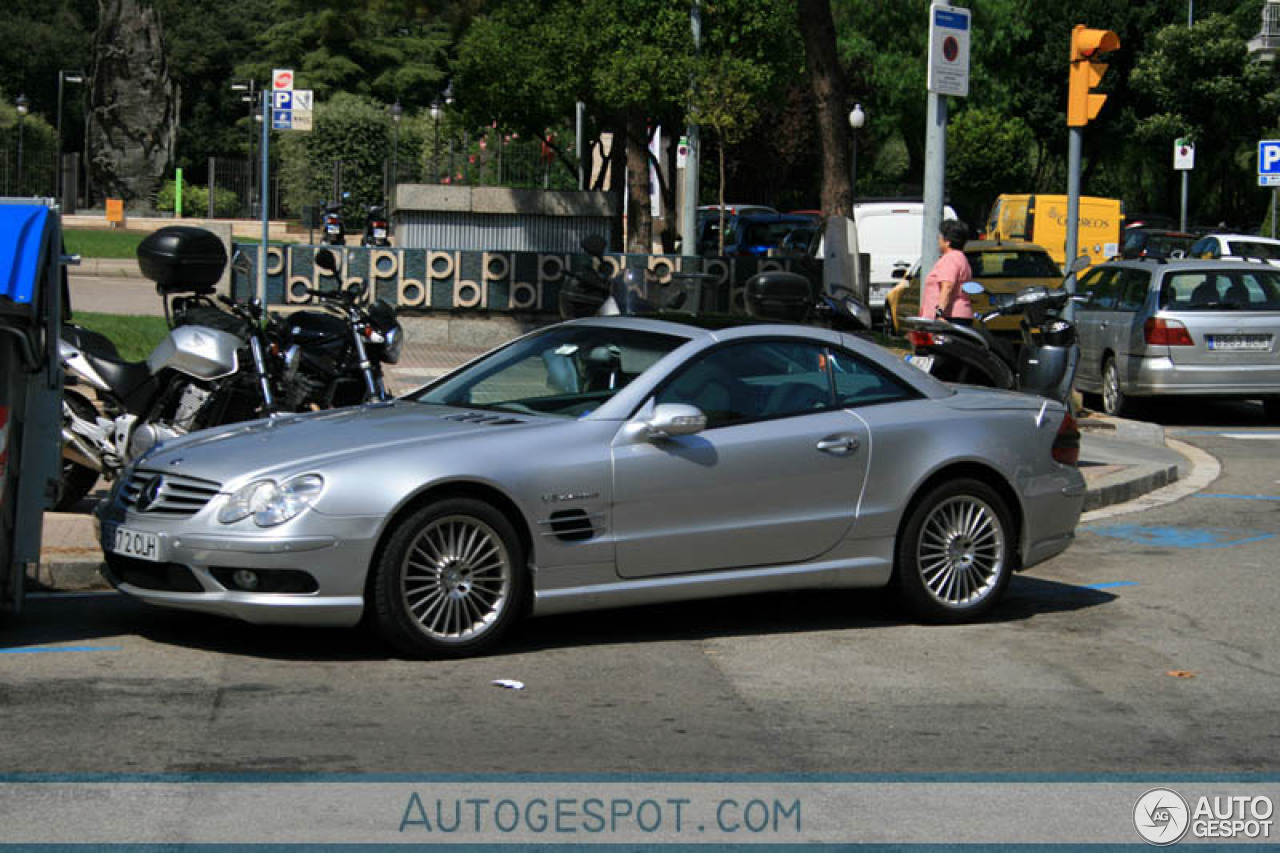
x: 451, y: 580
x: 76, y: 480
x: 956, y: 554
x: 1271, y: 409
x: 1114, y: 401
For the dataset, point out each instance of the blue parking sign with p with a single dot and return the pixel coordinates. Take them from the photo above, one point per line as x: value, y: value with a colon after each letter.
x: 1269, y: 162
x: 283, y: 100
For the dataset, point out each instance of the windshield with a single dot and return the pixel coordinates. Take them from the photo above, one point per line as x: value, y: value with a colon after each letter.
x: 565, y: 371
x: 1013, y: 263
x: 1218, y: 290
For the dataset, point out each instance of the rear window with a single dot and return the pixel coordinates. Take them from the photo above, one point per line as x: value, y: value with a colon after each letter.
x: 1250, y: 249
x: 1229, y: 290
x: 1012, y: 264
x: 767, y: 233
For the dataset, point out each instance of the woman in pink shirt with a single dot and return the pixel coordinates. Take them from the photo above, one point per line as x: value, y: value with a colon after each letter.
x: 942, y: 285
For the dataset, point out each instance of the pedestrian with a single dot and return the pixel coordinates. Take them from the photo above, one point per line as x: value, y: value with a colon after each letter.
x: 942, y: 285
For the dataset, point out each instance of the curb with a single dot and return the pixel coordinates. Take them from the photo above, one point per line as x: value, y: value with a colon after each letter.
x: 70, y: 576
x: 1148, y: 480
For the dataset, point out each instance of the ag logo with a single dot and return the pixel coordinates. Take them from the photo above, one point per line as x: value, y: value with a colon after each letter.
x: 1161, y: 816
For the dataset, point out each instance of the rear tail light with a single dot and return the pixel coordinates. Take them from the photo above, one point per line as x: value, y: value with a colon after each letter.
x: 1166, y: 333
x: 1066, y: 444
x: 921, y: 339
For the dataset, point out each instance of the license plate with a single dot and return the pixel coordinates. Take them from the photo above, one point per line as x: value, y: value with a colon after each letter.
x: 924, y: 362
x: 138, y: 544
x: 1230, y: 343
x: 332, y: 229
x: 379, y: 233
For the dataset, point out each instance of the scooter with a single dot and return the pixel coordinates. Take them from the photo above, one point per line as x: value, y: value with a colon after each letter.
x: 631, y: 292
x: 1044, y: 364
x: 377, y: 232
x: 332, y: 226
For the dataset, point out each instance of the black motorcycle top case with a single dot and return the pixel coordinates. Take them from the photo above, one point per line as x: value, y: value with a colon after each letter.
x: 182, y: 259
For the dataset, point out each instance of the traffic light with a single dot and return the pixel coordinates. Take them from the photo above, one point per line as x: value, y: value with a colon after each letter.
x: 1086, y: 73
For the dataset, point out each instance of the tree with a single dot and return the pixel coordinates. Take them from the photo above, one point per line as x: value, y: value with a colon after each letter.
x: 348, y: 129
x: 830, y: 94
x: 724, y: 102
x: 987, y: 153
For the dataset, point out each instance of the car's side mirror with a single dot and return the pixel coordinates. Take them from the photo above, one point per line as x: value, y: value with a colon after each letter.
x: 898, y: 272
x: 327, y: 261
x: 672, y: 419
x: 973, y: 288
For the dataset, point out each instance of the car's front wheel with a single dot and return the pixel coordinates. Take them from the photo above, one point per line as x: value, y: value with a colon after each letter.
x: 451, y: 580
x: 955, y: 556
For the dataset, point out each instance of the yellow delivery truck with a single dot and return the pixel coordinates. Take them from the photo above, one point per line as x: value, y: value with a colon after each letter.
x: 1042, y: 219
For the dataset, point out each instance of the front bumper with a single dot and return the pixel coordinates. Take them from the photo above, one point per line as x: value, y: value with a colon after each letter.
x: 319, y: 563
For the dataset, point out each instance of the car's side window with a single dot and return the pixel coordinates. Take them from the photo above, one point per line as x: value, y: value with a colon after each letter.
x: 1133, y: 287
x: 753, y: 381
x: 858, y: 383
x: 1098, y: 287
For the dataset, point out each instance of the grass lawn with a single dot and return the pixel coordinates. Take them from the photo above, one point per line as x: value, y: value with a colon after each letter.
x: 134, y: 337
x: 97, y: 243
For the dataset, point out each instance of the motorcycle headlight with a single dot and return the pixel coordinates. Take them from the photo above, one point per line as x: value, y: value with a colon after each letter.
x: 271, y: 503
x: 394, y: 341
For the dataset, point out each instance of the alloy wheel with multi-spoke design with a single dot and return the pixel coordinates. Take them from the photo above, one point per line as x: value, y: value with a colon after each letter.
x: 961, y: 550
x: 449, y: 580
x: 956, y: 552
x: 1114, y: 401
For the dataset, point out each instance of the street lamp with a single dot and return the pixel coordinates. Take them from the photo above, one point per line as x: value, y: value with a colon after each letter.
x: 21, y: 104
x: 67, y: 77
x: 435, y: 145
x: 396, y: 112
x: 857, y: 118
x: 251, y: 88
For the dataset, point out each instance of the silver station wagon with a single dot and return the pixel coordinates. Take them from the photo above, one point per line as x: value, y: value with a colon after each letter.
x: 1200, y: 328
x: 602, y: 463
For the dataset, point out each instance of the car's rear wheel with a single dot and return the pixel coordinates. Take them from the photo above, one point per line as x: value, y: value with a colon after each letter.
x: 1114, y: 401
x: 1271, y: 408
x: 451, y: 580
x: 956, y: 553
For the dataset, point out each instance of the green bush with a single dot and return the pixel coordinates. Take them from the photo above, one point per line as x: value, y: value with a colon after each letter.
x: 195, y: 200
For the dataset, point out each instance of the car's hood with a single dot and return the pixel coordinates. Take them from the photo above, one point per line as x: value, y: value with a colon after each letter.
x: 297, y: 441
x: 1013, y: 285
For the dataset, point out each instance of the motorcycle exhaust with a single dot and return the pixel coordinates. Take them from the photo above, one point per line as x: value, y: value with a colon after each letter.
x: 75, y: 450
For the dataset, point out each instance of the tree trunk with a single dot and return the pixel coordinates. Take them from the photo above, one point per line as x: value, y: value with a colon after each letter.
x: 134, y: 119
x: 618, y: 178
x: 826, y: 78
x: 639, y: 210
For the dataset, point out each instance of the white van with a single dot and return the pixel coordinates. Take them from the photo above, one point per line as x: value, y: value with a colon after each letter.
x: 890, y: 232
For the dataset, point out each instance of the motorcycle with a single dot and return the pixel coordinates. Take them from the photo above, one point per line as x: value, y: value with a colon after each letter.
x: 214, y: 367
x: 1044, y: 363
x: 334, y: 357
x: 334, y: 231
x: 377, y: 231
x: 631, y: 292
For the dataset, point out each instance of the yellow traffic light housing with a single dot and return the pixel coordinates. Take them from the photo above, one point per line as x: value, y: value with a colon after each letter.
x: 1086, y: 73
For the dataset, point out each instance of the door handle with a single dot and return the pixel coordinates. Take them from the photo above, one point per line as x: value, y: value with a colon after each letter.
x: 838, y: 445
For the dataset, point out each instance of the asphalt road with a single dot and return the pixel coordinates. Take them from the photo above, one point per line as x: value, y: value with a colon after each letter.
x: 1150, y: 646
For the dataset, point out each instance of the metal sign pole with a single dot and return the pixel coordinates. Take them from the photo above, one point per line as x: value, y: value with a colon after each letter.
x: 266, y: 219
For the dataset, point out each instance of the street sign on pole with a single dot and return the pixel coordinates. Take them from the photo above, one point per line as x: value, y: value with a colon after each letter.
x: 1269, y: 163
x: 949, y: 50
x: 282, y: 80
x: 1184, y: 155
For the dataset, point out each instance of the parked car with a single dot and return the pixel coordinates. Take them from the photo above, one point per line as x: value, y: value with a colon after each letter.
x: 1179, y: 328
x: 753, y: 235
x: 601, y: 463
x: 1001, y: 267
x: 1149, y: 242
x: 1240, y: 246
x: 709, y: 216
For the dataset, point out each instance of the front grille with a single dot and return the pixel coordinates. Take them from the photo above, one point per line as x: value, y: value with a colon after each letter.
x: 162, y: 493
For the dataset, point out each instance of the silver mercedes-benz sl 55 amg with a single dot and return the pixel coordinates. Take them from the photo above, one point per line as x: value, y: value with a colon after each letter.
x: 603, y: 463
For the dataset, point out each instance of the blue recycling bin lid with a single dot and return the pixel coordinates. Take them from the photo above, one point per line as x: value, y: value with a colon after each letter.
x: 21, y: 238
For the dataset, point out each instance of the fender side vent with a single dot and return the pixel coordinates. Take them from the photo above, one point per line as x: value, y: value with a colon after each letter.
x: 483, y: 418
x: 571, y: 525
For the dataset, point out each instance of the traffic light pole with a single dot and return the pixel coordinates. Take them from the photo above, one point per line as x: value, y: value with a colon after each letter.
x: 1075, y: 137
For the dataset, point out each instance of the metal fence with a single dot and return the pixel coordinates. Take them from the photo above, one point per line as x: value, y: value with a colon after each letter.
x: 234, y: 190
x: 36, y: 175
x: 491, y: 160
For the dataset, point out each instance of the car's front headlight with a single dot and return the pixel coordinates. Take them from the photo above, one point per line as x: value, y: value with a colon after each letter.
x: 271, y: 503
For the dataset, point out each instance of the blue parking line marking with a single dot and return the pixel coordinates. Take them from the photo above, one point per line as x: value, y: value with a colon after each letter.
x: 1181, y: 537
x: 32, y: 650
x: 1110, y: 584
x: 1224, y: 496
